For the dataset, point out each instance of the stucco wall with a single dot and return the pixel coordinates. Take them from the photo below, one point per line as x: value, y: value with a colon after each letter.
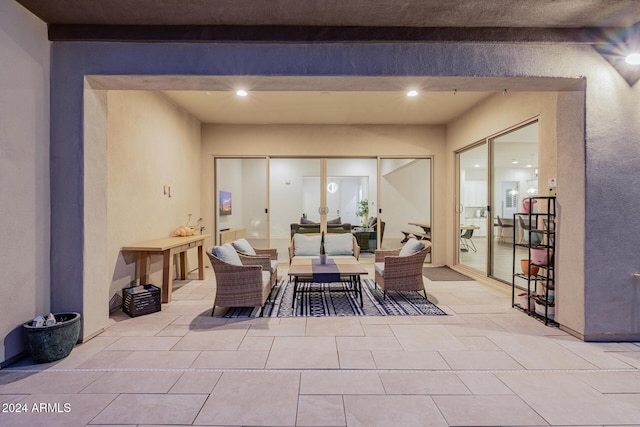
x: 24, y: 173
x: 152, y: 145
x: 612, y: 216
x: 612, y: 130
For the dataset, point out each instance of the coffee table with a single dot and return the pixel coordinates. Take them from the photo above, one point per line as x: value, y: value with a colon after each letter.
x: 338, y: 269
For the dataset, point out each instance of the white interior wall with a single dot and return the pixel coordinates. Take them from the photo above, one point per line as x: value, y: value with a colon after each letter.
x: 405, y: 198
x: 152, y: 145
x: 24, y: 174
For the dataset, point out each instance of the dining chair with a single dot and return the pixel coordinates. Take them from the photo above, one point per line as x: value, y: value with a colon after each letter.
x: 502, y: 226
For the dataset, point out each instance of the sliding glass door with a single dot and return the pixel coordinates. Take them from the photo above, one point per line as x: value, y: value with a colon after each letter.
x: 514, y: 177
x: 497, y: 174
x: 380, y: 201
x: 472, y: 208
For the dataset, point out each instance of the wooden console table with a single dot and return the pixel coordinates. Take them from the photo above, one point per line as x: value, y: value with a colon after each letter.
x: 167, y: 247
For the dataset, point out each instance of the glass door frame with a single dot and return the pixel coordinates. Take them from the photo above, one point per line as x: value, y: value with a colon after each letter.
x: 216, y: 201
x: 491, y: 209
x: 459, y: 208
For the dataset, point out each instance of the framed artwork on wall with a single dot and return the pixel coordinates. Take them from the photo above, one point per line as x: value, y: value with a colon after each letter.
x: 225, y: 203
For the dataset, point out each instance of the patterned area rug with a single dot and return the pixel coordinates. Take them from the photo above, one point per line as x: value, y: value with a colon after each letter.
x: 322, y: 302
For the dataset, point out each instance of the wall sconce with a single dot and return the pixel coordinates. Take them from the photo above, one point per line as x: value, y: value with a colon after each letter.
x: 621, y: 48
x: 332, y: 187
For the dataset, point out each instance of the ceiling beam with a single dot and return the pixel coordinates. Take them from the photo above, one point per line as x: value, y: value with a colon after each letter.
x: 326, y: 34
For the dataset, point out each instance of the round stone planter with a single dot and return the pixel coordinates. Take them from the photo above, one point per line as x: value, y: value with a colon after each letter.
x: 51, y: 343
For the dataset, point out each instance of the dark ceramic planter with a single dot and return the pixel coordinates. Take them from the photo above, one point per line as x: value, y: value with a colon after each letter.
x: 51, y: 343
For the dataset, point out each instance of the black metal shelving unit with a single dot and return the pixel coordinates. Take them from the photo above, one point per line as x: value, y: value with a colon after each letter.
x: 540, y: 232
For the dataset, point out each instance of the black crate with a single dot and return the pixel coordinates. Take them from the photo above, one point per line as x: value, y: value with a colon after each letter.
x: 139, y: 300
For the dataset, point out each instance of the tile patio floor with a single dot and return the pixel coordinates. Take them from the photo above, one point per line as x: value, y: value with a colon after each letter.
x: 484, y: 365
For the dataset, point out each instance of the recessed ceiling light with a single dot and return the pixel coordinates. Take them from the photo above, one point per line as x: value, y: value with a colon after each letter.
x: 476, y: 166
x: 412, y: 93
x: 633, y: 59
x: 514, y: 162
x: 529, y: 166
x: 242, y: 92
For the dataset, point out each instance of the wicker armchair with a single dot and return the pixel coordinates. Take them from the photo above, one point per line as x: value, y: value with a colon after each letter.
x: 400, y: 273
x: 239, y: 285
x: 266, y: 258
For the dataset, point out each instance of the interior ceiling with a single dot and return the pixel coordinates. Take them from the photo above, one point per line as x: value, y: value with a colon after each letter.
x: 278, y: 102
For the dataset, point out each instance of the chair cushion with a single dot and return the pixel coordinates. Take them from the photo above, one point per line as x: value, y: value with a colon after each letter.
x: 242, y: 245
x: 227, y: 253
x: 304, y: 220
x: 306, y: 245
x: 274, y: 266
x: 411, y: 247
x: 379, y: 267
x: 266, y: 279
x: 338, y: 244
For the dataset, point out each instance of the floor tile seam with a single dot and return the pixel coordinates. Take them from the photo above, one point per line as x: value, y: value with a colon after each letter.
x: 329, y: 370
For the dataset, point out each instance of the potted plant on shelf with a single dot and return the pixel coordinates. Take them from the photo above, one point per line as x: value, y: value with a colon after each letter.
x: 363, y: 212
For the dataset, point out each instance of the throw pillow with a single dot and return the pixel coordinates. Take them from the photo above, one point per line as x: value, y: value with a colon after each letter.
x: 227, y: 253
x: 335, y: 221
x: 411, y: 247
x: 338, y: 244
x: 304, y: 245
x: 304, y: 220
x: 242, y: 245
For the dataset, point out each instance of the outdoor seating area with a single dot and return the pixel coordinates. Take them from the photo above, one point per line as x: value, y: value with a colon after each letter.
x: 245, y: 276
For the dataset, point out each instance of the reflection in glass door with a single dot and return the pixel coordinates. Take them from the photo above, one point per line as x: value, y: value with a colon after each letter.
x: 241, y: 200
x: 405, y: 200
x: 514, y: 177
x: 352, y: 188
x: 472, y: 207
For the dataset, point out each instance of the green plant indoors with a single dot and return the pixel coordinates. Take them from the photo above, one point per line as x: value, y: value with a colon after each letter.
x: 363, y: 211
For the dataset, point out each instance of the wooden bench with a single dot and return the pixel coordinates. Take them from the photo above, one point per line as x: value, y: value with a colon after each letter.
x: 418, y: 235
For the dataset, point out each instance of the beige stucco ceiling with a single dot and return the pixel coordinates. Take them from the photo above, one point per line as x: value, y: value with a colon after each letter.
x: 325, y: 107
x: 338, y: 100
